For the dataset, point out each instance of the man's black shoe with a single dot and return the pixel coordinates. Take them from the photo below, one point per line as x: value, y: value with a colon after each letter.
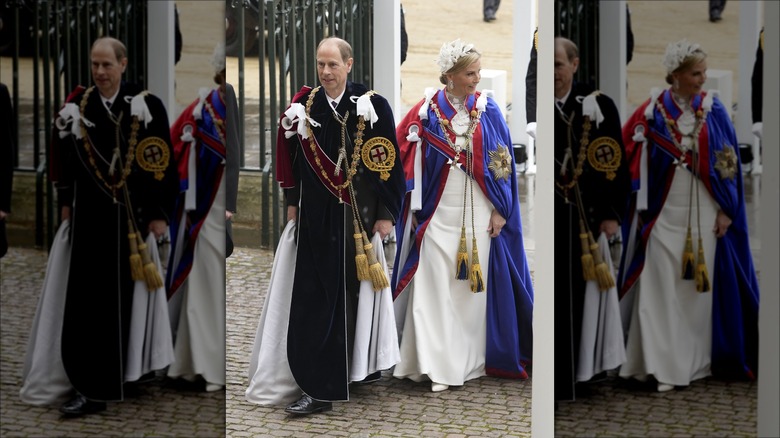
x: 371, y: 378
x: 79, y: 405
x: 307, y: 405
x: 490, y: 15
x: 715, y: 15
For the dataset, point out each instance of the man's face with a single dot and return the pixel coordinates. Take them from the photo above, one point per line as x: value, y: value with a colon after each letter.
x: 332, y: 70
x: 106, y: 69
x: 564, y: 71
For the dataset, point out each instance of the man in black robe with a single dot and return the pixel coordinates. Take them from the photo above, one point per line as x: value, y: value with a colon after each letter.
x: 322, y: 200
x: 602, y: 200
x: 112, y: 165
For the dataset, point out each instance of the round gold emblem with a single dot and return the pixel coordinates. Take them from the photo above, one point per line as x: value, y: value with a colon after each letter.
x: 153, y: 155
x: 378, y: 154
x: 604, y: 155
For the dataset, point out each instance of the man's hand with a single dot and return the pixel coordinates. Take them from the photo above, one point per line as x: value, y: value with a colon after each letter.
x: 3, y: 215
x: 292, y: 213
x: 64, y: 213
x: 497, y: 222
x: 609, y: 227
x: 157, y: 227
x: 228, y: 215
x: 384, y: 227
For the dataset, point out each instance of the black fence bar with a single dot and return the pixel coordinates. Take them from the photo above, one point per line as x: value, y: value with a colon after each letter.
x: 578, y: 20
x: 57, y: 35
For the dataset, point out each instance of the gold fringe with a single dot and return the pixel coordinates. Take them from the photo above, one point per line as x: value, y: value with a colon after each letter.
x: 376, y: 273
x: 361, y: 261
x: 600, y: 271
x: 688, y: 258
x: 150, y: 274
x: 378, y: 277
x: 588, y: 267
x: 702, y: 278
x: 136, y: 266
x: 462, y: 262
x: 477, y: 282
x: 153, y: 279
x: 604, y: 277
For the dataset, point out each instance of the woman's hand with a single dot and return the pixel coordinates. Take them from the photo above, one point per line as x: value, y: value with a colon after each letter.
x: 722, y: 223
x: 497, y: 222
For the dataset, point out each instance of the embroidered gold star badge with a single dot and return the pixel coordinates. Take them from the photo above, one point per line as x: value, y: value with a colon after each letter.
x: 726, y: 162
x: 500, y: 163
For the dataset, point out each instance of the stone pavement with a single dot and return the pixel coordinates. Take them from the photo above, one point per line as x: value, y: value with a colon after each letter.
x: 158, y: 410
x: 485, y: 407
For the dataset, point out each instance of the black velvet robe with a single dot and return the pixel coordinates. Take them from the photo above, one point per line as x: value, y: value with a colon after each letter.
x: 100, y: 289
x: 603, y: 199
x: 325, y: 289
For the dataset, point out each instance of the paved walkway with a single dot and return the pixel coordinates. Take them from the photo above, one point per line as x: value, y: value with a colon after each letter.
x: 158, y: 410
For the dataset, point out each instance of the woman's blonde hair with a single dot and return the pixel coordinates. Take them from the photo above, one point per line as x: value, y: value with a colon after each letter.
x: 461, y: 64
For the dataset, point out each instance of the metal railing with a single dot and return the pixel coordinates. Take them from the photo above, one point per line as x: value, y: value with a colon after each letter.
x: 57, y: 36
x: 578, y: 20
x: 283, y: 36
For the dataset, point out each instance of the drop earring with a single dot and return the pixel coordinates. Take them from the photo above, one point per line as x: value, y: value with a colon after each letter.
x: 450, y: 85
x: 676, y: 85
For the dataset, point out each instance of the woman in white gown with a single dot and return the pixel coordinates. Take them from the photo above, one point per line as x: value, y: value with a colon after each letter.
x: 462, y: 288
x: 692, y: 313
x: 196, y: 272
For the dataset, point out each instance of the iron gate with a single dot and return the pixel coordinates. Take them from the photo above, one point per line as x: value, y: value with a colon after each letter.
x: 283, y: 36
x: 56, y: 36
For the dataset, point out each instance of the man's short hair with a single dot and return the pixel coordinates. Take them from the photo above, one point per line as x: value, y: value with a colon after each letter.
x: 119, y: 48
x: 568, y: 46
x: 344, y: 48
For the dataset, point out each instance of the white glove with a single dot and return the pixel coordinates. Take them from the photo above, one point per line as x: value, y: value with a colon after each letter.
x: 758, y: 127
x: 530, y: 129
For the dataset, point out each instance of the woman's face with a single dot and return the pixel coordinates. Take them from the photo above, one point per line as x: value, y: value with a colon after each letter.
x: 690, y: 81
x: 465, y: 81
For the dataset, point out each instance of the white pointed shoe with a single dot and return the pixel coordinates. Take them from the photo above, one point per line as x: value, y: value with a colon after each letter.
x: 664, y: 387
x: 212, y: 387
x: 439, y: 387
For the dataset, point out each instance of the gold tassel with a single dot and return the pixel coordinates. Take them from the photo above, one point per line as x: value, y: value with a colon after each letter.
x: 702, y: 279
x: 688, y: 258
x: 136, y: 267
x: 361, y: 262
x: 152, y: 277
x: 600, y: 270
x: 477, y: 283
x: 588, y: 268
x: 377, y: 274
x: 462, y: 262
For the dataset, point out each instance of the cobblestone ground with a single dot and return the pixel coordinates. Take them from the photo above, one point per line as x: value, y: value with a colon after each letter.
x: 707, y: 408
x: 485, y: 407
x: 158, y: 409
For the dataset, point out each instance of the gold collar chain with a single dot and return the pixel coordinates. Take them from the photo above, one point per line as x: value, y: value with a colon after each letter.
x: 672, y: 125
x: 474, y: 117
x: 114, y: 187
x: 584, y: 139
x: 218, y: 123
x: 352, y: 170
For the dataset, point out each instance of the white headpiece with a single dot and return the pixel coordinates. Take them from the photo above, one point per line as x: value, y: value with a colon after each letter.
x: 450, y: 53
x: 677, y: 52
x: 218, y: 57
